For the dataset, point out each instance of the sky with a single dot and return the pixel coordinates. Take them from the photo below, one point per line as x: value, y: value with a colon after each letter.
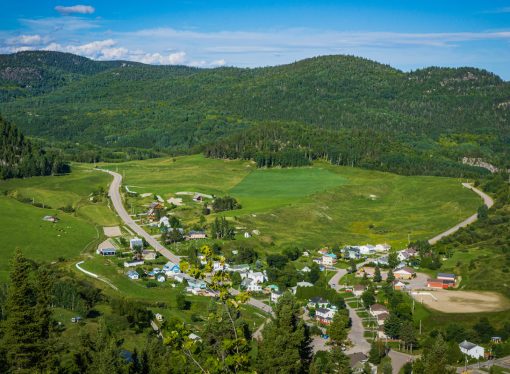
x: 208, y: 33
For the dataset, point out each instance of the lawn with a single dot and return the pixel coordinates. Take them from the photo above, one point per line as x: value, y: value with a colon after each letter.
x: 312, y: 206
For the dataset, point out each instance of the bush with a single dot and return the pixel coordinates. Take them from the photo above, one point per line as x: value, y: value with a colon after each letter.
x: 151, y: 284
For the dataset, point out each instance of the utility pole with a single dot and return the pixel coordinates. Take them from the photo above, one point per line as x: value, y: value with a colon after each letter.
x: 420, y: 326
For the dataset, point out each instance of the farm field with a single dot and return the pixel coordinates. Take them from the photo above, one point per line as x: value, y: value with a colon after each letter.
x: 21, y: 223
x: 313, y: 206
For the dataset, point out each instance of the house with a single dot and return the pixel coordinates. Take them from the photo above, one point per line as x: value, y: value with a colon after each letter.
x: 240, y: 268
x: 130, y: 264
x: 133, y: 275
x: 370, y: 272
x: 357, y: 361
x: 148, y: 255
x: 403, y: 255
x: 76, y: 319
x: 317, y: 261
x: 257, y: 276
x: 164, y: 221
x: 366, y: 250
x: 306, y: 269
x: 194, y: 235
x: 170, y: 267
x: 358, y: 290
x: 304, y: 284
x: 159, y: 317
x: 154, y: 211
x: 275, y: 295
x: 447, y: 277
x: 136, y: 243
x: 404, y: 273
x: 306, y: 254
x: 381, y: 318
x: 377, y: 309
x: 219, y: 266
x: 472, y: 350
x: 107, y: 251
x: 324, y: 315
x: 196, y: 284
x: 251, y: 285
x: 247, y: 235
x: 52, y: 219
x: 318, y: 302
x: 329, y: 259
x: 439, y: 283
x: 352, y: 253
x: 194, y: 337
x: 179, y: 277
x: 382, y: 247
x: 160, y: 278
x: 398, y: 285
x: 384, y: 261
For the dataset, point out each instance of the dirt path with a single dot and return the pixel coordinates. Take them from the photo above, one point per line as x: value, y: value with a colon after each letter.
x: 487, y: 201
x: 93, y: 275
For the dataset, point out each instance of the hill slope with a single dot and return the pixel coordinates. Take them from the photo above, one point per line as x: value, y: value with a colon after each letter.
x: 440, y: 113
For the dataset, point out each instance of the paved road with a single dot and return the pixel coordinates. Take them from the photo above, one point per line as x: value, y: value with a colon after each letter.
x: 114, y: 194
x: 503, y: 362
x: 487, y: 200
x: 399, y: 359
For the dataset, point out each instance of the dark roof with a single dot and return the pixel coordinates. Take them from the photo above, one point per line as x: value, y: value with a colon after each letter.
x: 378, y: 307
x: 354, y: 358
x: 318, y: 300
x: 383, y: 316
x: 467, y: 345
x: 322, y: 310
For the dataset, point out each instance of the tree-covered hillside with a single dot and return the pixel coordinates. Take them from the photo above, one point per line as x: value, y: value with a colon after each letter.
x: 349, y: 110
x: 19, y: 158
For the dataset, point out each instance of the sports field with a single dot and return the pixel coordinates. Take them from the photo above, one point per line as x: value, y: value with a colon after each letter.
x: 313, y: 206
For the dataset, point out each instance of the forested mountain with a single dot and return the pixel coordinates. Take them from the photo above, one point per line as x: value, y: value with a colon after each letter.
x: 348, y: 110
x: 19, y: 158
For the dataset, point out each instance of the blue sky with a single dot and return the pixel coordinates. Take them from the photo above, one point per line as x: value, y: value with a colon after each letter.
x: 208, y: 33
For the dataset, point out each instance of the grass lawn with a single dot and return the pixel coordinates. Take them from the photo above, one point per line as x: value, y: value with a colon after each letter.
x: 312, y: 206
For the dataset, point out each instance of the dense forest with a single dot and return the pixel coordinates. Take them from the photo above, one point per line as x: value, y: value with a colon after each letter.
x: 348, y: 110
x: 19, y: 158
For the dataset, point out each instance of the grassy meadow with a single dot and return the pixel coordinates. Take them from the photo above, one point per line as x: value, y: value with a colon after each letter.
x: 21, y: 224
x: 312, y: 206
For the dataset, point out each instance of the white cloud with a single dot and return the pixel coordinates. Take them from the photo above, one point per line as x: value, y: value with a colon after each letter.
x: 26, y: 39
x: 78, y: 9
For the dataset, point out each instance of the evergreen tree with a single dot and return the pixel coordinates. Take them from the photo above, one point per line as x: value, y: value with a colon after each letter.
x: 285, y: 345
x: 24, y: 334
x: 315, y: 273
x: 434, y: 360
x: 390, y: 277
x: 377, y: 275
x: 377, y: 352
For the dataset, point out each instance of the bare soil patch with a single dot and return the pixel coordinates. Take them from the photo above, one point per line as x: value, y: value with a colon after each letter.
x: 463, y: 301
x: 112, y: 231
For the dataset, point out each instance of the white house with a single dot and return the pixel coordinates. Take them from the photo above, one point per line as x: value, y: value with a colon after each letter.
x: 164, y: 221
x: 251, y: 285
x: 306, y: 254
x: 358, y: 290
x: 256, y: 276
x: 366, y: 250
x: 317, y: 301
x: 170, y: 268
x: 219, y: 266
x: 329, y: 259
x: 306, y: 269
x: 471, y: 349
x: 135, y: 243
x: 161, y: 278
x: 382, y: 247
x: 324, y: 315
x: 159, y: 317
x: 133, y: 275
x: 247, y: 235
x: 304, y: 284
x: 275, y: 295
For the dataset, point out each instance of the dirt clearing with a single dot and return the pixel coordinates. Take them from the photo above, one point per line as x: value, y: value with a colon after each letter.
x: 462, y: 301
x: 112, y: 231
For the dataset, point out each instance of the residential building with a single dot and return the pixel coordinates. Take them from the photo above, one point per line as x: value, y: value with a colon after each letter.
x: 135, y: 243
x: 404, y: 273
x: 377, y: 309
x: 358, y: 290
x: 323, y: 251
x: 275, y: 295
x: 329, y: 259
x: 352, y: 253
x: 133, y: 275
x: 107, y: 251
x: 381, y: 318
x: 398, y: 285
x: 472, y: 350
x: 447, y: 277
x: 324, y: 315
x: 170, y: 267
x: 251, y: 285
x: 306, y: 269
x: 196, y: 284
x: 247, y: 235
x: 317, y: 302
x: 159, y: 317
x: 306, y: 254
x: 257, y: 276
x: 239, y: 268
x: 357, y: 362
x: 304, y: 284
x: 129, y: 264
x: 160, y: 278
x: 382, y: 247
x: 366, y: 250
x: 381, y: 261
x: 194, y: 235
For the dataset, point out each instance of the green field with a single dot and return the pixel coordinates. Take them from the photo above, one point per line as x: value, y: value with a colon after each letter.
x: 21, y: 224
x: 313, y: 206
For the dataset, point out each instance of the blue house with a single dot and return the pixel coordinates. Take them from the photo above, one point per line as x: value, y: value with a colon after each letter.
x: 170, y: 267
x: 133, y: 275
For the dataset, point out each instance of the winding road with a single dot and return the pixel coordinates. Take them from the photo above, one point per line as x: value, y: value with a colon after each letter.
x: 116, y: 198
x: 487, y: 200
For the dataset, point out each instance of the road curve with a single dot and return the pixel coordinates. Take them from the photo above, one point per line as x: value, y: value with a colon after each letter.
x: 487, y: 200
x: 114, y: 194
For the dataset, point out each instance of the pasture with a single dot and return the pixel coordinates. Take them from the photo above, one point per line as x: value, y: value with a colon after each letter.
x: 312, y: 206
x: 21, y: 224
